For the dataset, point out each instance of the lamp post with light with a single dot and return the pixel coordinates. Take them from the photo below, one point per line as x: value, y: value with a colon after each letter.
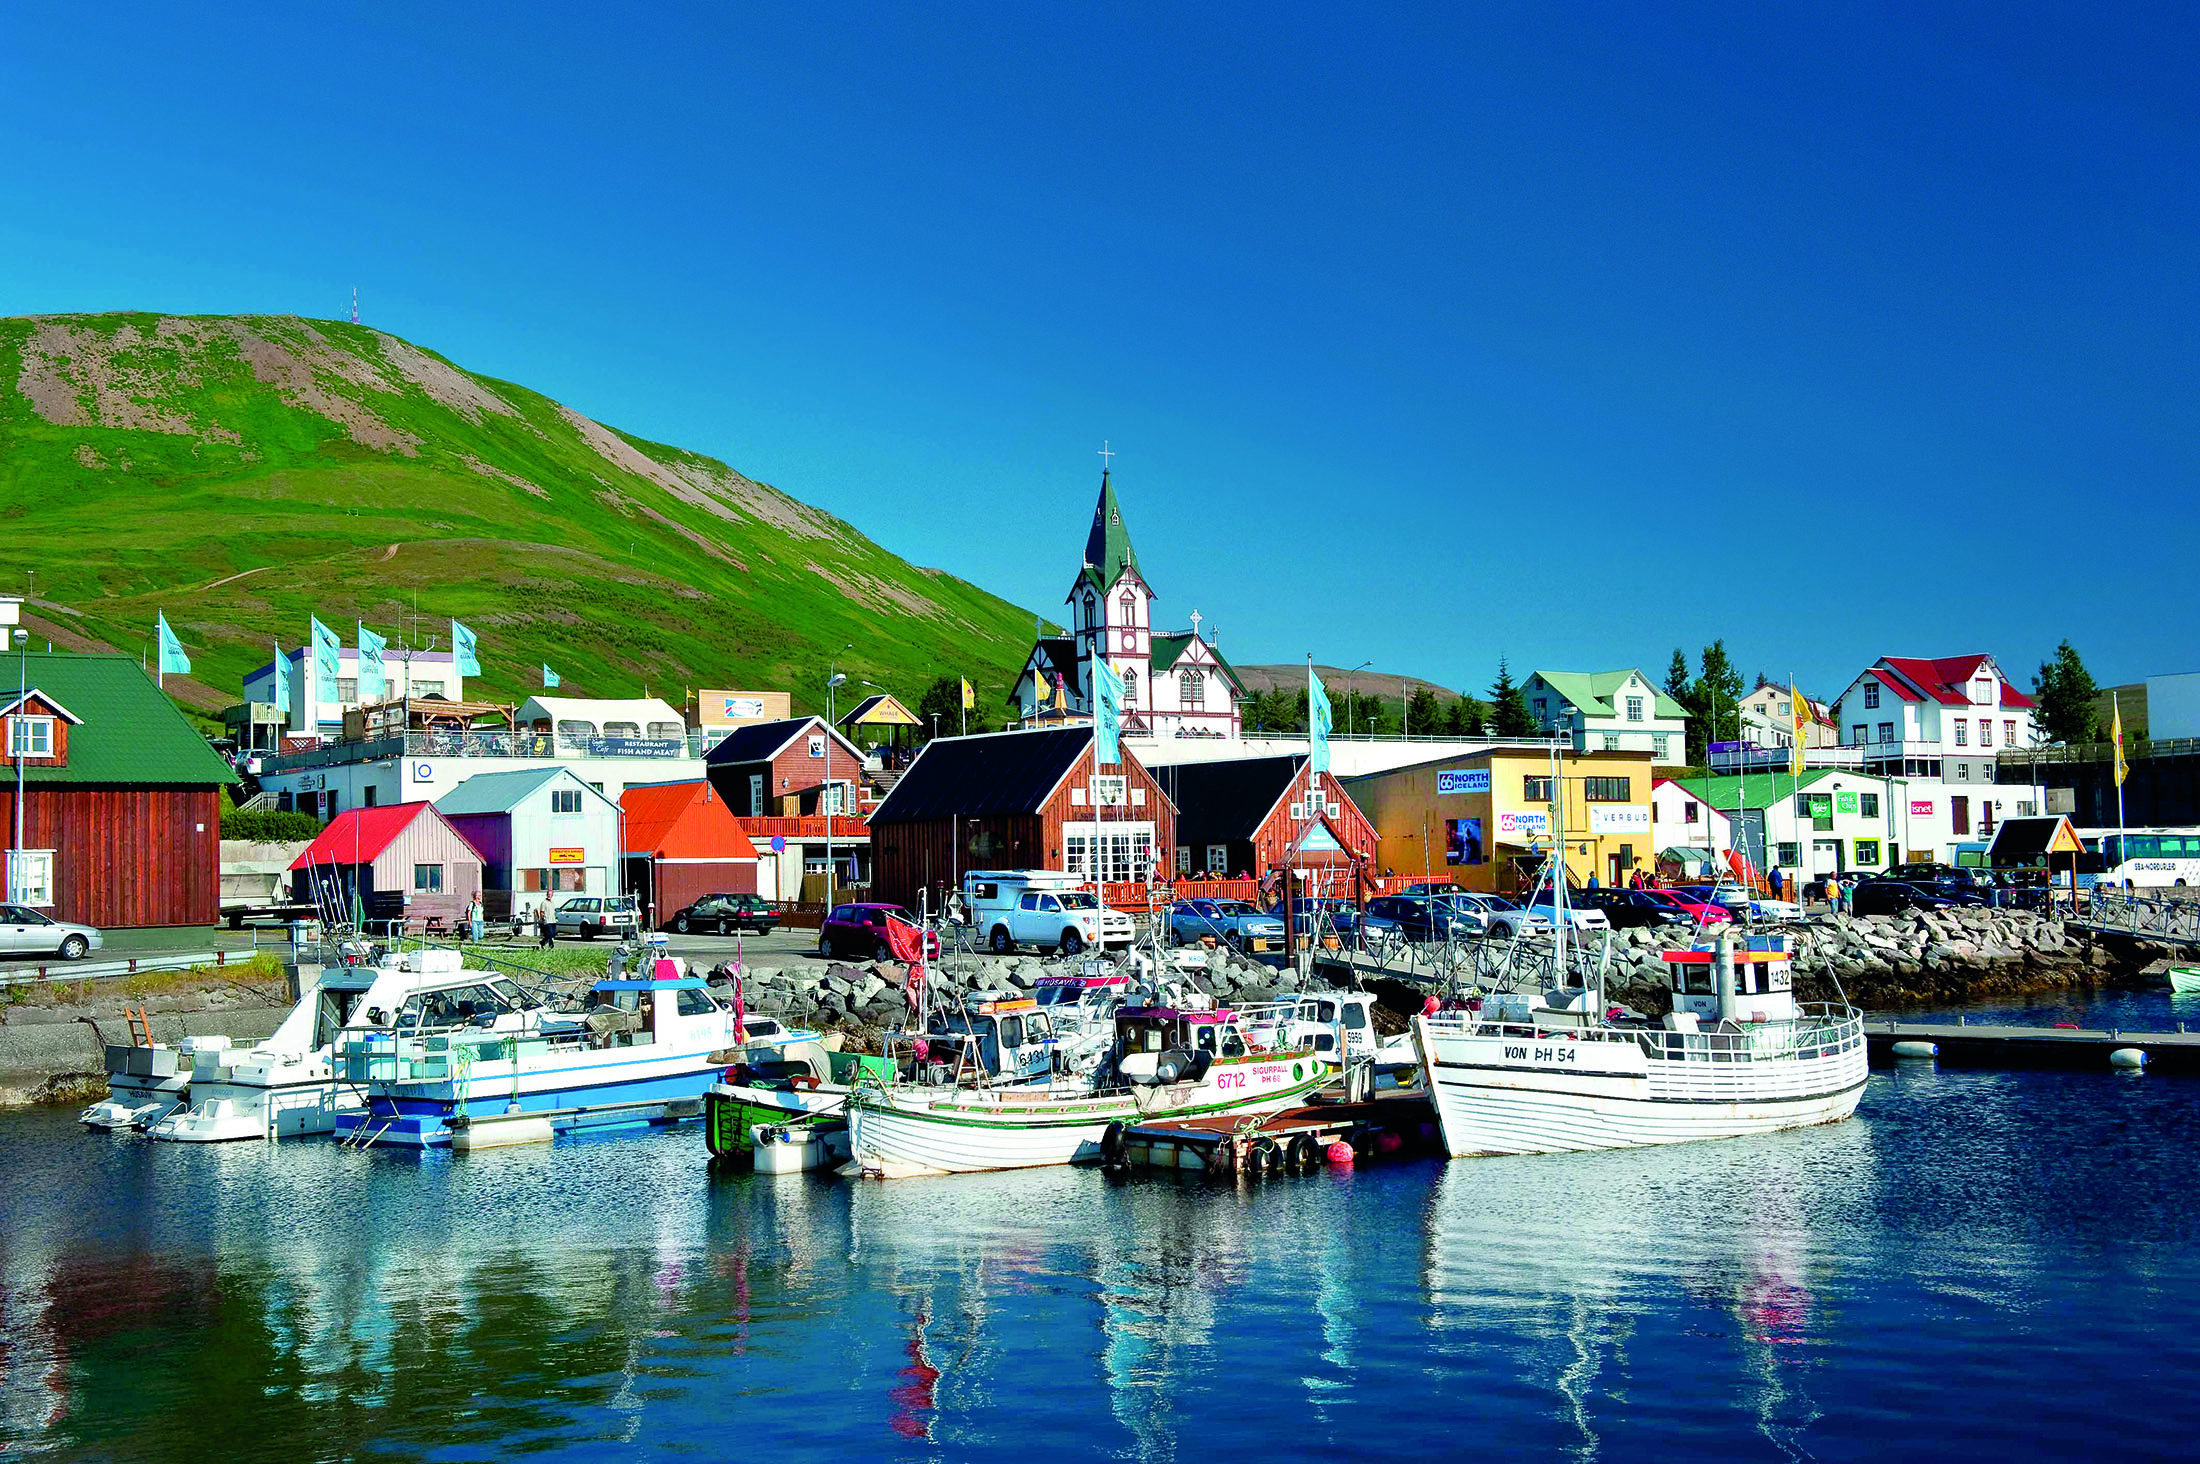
x: 1352, y: 695
x: 9, y: 630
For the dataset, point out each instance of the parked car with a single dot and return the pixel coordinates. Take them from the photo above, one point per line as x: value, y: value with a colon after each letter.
x: 1430, y: 917
x: 23, y: 931
x: 1341, y: 916
x: 725, y: 914
x: 1696, y: 911
x: 1008, y: 908
x: 1578, y: 916
x: 1633, y: 909
x: 1765, y: 907
x: 1733, y: 898
x: 1494, y: 915
x: 1431, y: 887
x: 1893, y: 896
x: 858, y: 932
x: 1238, y: 924
x: 589, y: 916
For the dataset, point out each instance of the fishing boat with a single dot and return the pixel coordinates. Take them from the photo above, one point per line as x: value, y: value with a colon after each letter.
x: 946, y: 1114
x: 288, y: 1086
x: 1548, y: 1072
x: 2184, y: 980
x: 462, y: 1065
x: 780, y: 1076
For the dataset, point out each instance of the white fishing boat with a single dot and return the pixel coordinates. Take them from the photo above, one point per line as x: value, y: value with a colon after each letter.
x: 465, y: 1064
x: 952, y: 1117
x: 287, y: 1086
x: 2184, y: 980
x: 1548, y: 1072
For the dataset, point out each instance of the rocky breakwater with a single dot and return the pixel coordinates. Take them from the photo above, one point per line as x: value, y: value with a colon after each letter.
x: 871, y: 997
x: 1880, y: 961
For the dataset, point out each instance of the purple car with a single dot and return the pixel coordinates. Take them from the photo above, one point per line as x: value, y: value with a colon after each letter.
x: 859, y: 933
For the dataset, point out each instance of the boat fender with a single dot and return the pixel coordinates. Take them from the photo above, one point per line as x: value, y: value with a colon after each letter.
x: 1265, y: 1156
x: 1916, y: 1049
x: 1339, y: 1155
x: 1387, y: 1142
x: 1112, y: 1147
x: 2128, y: 1059
x: 1305, y: 1153
x: 803, y: 1080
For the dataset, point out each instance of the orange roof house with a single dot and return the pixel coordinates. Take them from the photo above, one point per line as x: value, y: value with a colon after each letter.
x: 683, y: 843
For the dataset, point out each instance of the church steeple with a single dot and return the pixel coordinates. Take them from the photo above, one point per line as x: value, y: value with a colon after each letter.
x: 1108, y: 550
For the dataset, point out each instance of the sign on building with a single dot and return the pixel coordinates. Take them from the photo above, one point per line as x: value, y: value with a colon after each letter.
x: 1619, y: 820
x: 1921, y: 808
x: 1463, y: 780
x: 568, y: 856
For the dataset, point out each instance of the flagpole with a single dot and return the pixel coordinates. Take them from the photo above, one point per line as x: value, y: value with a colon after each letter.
x: 2116, y: 708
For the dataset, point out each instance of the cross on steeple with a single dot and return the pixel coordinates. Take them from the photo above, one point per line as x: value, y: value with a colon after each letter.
x: 1195, y: 624
x: 1104, y: 455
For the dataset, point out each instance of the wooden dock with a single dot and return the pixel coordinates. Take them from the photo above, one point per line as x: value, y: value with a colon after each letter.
x: 1965, y: 1044
x: 1290, y: 1140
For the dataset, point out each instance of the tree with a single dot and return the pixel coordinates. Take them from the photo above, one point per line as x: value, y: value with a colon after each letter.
x: 1718, y: 688
x: 1676, y: 677
x: 944, y: 696
x: 1424, y: 714
x: 1469, y: 716
x: 2068, y: 710
x: 1509, y: 714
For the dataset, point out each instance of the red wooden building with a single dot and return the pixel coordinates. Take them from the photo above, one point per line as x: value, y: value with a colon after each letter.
x: 786, y: 767
x: 407, y: 861
x: 1246, y: 816
x: 683, y: 843
x: 122, y: 800
x: 1017, y: 800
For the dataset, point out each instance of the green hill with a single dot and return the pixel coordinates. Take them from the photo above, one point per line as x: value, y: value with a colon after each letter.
x: 239, y: 472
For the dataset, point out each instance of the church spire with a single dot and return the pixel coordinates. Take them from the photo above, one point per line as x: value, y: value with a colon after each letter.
x: 1108, y: 550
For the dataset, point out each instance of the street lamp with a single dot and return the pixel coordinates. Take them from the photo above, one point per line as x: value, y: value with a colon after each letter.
x: 16, y: 748
x: 1352, y: 695
x: 832, y: 794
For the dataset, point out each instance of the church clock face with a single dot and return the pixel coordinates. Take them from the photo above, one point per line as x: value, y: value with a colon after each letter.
x: 1128, y: 639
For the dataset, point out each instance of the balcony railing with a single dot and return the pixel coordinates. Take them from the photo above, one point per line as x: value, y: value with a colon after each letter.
x: 487, y: 744
x: 808, y: 826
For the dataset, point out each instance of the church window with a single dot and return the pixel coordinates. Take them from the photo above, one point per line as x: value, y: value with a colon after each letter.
x: 1130, y: 685
x: 1092, y: 610
x: 1130, y: 609
x: 1195, y: 691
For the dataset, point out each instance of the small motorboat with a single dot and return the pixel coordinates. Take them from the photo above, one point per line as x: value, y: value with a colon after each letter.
x: 2184, y: 980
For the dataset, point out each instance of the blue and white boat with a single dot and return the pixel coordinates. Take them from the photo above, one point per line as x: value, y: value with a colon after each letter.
x: 462, y: 1066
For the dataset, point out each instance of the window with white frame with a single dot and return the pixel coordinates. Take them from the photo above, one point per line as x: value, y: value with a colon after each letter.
x: 1130, y: 685
x: 565, y: 800
x: 1963, y: 733
x: 1115, y: 852
x: 2009, y: 732
x: 427, y: 879
x: 1194, y: 691
x: 427, y: 688
x: 1218, y: 859
x: 1986, y: 731
x: 1611, y: 742
x: 30, y: 736
x: 1634, y: 709
x: 1963, y: 771
x: 1661, y: 744
x: 1183, y: 859
x: 30, y: 877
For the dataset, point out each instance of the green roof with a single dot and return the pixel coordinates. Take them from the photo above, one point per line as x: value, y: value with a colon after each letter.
x: 1592, y: 691
x: 1108, y: 550
x: 130, y: 733
x: 1749, y: 790
x: 1165, y: 648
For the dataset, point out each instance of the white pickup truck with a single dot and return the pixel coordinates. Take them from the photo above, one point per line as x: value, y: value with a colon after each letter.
x: 1031, y: 907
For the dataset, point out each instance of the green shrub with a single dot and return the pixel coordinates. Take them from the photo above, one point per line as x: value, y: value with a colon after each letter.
x: 269, y: 826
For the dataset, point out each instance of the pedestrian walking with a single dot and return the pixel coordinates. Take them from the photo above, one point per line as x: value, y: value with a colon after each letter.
x: 546, y: 930
x: 473, y: 918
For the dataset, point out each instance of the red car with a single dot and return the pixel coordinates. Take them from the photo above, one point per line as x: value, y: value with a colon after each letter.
x: 1696, y: 910
x: 872, y: 932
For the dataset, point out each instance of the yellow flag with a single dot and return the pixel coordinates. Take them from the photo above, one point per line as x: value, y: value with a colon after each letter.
x: 1797, y: 712
x: 2116, y: 735
x: 970, y: 697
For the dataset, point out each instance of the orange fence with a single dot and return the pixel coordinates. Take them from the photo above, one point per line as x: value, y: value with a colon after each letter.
x: 848, y: 826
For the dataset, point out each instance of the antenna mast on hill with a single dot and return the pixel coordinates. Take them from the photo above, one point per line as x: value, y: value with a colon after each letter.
x: 354, y: 304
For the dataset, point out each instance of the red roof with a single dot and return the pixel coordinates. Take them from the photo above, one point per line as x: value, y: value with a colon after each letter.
x: 1947, y: 680
x: 682, y: 821
x: 359, y: 835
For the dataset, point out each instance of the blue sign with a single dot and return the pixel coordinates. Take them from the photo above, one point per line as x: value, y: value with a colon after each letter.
x: 633, y: 747
x: 779, y: 843
x: 1463, y: 780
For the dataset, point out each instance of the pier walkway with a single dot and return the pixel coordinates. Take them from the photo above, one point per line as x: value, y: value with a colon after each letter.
x: 2160, y: 917
x: 1964, y: 1044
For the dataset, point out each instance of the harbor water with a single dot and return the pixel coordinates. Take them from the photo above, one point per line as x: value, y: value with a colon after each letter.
x: 1979, y: 1265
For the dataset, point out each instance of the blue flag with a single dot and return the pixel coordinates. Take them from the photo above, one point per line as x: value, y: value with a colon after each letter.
x: 282, y: 679
x: 1107, y: 712
x: 374, y: 680
x: 462, y: 646
x: 1319, y: 721
x: 549, y: 677
x: 172, y: 659
x: 328, y: 658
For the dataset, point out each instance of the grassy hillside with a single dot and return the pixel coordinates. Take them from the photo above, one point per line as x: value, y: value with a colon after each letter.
x: 238, y: 472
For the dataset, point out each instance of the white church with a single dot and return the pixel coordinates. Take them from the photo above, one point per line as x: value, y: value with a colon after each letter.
x: 1175, y: 683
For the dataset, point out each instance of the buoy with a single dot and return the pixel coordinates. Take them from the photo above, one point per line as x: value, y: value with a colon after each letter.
x: 2128, y: 1059
x: 1339, y: 1154
x: 497, y: 1133
x: 1917, y: 1049
x: 1387, y: 1142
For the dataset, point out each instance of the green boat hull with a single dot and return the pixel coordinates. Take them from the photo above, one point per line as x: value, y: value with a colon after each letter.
x: 729, y: 1123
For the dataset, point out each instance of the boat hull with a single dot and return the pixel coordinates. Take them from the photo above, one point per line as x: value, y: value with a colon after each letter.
x: 1502, y: 1094
x: 732, y: 1111
x: 220, y: 1112
x: 2184, y: 980
x: 903, y: 1133
x: 136, y: 1102
x: 611, y: 1095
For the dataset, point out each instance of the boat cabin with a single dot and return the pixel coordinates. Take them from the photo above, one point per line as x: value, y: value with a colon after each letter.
x: 1081, y: 1002
x: 626, y: 1012
x: 1143, y: 1034
x: 1001, y: 1034
x: 1329, y: 1020
x: 1759, y: 984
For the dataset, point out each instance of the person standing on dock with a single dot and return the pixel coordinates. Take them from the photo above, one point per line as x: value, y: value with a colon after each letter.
x: 473, y: 918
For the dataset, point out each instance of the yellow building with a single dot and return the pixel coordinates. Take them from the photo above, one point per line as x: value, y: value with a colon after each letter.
x: 1484, y: 821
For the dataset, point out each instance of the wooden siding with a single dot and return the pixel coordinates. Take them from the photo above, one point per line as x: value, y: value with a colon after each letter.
x: 676, y: 884
x: 125, y: 854
x: 429, y: 839
x: 1272, y: 844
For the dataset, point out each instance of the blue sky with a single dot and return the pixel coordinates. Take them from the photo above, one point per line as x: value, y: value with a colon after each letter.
x: 1570, y: 335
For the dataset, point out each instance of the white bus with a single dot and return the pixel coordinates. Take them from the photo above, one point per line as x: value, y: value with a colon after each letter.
x: 2146, y: 858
